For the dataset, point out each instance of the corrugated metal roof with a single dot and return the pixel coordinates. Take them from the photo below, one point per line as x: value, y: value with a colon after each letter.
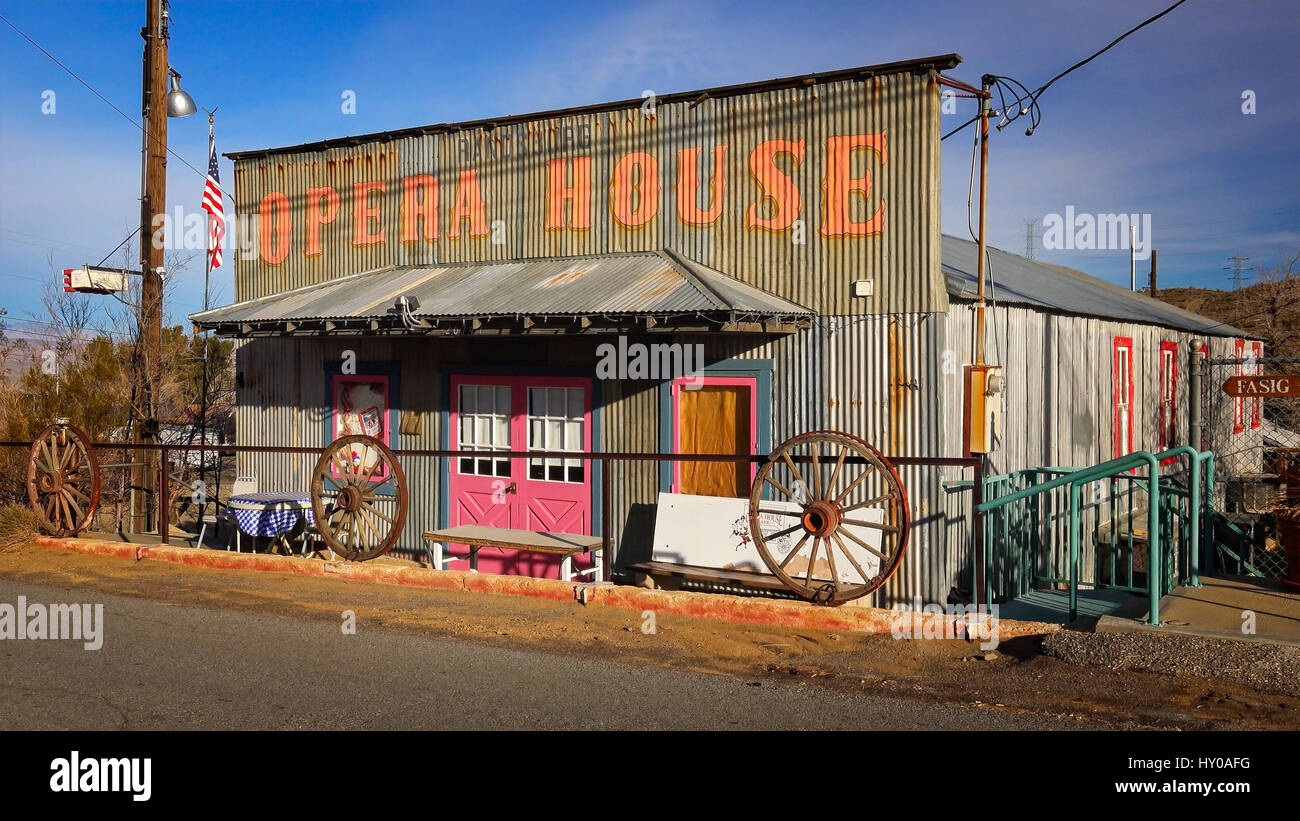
x: 1017, y: 280
x: 938, y: 62
x: 650, y: 282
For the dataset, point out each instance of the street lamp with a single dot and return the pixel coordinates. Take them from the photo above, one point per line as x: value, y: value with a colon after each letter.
x: 179, y: 102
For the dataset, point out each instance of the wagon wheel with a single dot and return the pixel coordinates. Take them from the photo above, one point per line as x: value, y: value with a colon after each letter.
x: 63, y: 480
x: 855, y: 519
x: 358, y: 496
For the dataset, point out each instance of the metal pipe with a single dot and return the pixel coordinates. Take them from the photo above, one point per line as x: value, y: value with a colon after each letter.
x: 979, y: 548
x: 618, y: 456
x: 164, y: 492
x: 1194, y: 426
x: 1074, y: 549
x: 984, y: 179
x: 606, y: 517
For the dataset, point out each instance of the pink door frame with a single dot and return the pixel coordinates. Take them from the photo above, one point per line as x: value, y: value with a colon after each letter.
x: 681, y: 383
x: 532, y: 499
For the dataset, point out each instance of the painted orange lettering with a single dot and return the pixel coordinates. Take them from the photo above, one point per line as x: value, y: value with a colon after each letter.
x: 322, y: 207
x: 774, y: 186
x: 688, y: 186
x: 469, y: 206
x: 578, y: 195
x: 420, y: 208
x: 644, y: 187
x: 273, y: 228
x: 839, y: 185
x: 363, y: 213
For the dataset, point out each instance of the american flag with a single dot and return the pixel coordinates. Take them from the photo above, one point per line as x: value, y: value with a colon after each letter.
x: 212, y: 204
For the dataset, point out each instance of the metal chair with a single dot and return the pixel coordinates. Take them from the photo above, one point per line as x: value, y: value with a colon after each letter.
x: 222, y: 516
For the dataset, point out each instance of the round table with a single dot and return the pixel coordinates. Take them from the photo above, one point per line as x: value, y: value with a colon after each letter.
x: 275, y: 515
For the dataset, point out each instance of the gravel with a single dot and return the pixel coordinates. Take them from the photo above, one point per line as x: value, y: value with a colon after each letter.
x: 1271, y: 668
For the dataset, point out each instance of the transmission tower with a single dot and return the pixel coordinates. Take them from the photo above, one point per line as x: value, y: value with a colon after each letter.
x: 1238, y: 271
x: 1031, y: 238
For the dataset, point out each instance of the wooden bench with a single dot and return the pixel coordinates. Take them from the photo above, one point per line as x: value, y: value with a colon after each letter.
x: 564, y: 545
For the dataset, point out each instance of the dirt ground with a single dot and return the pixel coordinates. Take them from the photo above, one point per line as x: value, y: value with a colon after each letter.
x: 1015, y: 677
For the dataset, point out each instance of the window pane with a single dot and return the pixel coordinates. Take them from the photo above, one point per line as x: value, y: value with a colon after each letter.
x: 466, y: 398
x: 537, y: 401
x: 575, y: 473
x: 466, y: 430
x: 501, y: 432
x: 503, y: 400
x: 555, y: 403
x: 536, y: 439
x: 485, y: 399
x: 573, y: 436
x: 535, y: 469
x: 482, y: 430
x: 466, y: 465
x: 503, y: 467
x: 555, y: 472
x: 575, y: 403
x: 554, y: 434
x: 485, y: 467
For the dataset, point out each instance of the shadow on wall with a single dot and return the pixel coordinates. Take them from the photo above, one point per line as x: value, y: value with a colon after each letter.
x: 636, y: 543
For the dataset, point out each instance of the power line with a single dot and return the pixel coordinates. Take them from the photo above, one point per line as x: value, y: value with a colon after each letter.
x: 1108, y: 47
x: 125, y: 116
x: 1025, y: 102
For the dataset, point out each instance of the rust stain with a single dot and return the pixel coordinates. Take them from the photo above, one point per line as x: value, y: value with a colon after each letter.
x: 566, y: 276
x: 897, y: 380
x: 657, y: 283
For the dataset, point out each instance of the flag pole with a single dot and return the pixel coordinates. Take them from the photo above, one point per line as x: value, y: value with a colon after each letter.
x: 203, y: 396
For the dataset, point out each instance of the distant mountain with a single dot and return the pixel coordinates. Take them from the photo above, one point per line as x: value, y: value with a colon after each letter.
x: 1266, y: 310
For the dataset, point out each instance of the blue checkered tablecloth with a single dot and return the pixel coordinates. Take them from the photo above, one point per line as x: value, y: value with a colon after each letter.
x: 270, y: 513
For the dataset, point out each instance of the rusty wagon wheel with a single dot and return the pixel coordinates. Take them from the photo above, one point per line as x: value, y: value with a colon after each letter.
x: 358, y: 496
x: 63, y: 480
x: 855, y: 519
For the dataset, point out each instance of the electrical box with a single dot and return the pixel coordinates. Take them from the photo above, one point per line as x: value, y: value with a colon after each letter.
x: 863, y: 287
x: 982, y: 409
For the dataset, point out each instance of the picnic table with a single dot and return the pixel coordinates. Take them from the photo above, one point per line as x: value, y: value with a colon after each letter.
x: 276, y: 515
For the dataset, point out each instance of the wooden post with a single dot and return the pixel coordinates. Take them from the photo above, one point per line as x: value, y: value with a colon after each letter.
x: 153, y: 204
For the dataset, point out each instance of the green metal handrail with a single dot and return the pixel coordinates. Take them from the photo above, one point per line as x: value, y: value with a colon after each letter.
x: 1075, y: 479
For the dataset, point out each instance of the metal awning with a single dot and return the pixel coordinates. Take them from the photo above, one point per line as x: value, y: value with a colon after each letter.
x: 650, y: 290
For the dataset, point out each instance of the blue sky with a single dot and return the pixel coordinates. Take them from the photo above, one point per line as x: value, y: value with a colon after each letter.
x: 1153, y: 126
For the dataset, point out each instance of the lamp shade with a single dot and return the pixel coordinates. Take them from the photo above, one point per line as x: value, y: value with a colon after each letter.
x: 179, y: 103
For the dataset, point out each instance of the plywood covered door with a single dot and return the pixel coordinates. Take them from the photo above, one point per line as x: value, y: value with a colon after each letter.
x: 714, y: 415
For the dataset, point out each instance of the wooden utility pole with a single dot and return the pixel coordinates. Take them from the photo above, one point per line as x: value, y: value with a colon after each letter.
x: 153, y: 204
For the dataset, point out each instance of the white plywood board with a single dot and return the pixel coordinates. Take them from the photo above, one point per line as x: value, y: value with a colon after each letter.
x: 713, y: 531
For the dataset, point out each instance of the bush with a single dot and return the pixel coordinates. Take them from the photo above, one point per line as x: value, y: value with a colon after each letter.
x: 18, y: 527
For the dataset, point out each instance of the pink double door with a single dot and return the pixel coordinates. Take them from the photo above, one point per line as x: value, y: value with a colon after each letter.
x: 491, y: 415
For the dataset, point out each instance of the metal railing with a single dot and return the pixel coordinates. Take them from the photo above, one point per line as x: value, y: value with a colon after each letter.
x: 604, y: 459
x: 1036, y: 519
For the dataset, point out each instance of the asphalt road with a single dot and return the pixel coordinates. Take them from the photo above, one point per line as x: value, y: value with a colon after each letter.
x: 164, y: 666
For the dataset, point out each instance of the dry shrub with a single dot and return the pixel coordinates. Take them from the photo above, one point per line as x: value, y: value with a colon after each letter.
x: 18, y: 527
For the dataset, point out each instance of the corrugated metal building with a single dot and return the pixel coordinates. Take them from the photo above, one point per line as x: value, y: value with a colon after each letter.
x: 789, y: 228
